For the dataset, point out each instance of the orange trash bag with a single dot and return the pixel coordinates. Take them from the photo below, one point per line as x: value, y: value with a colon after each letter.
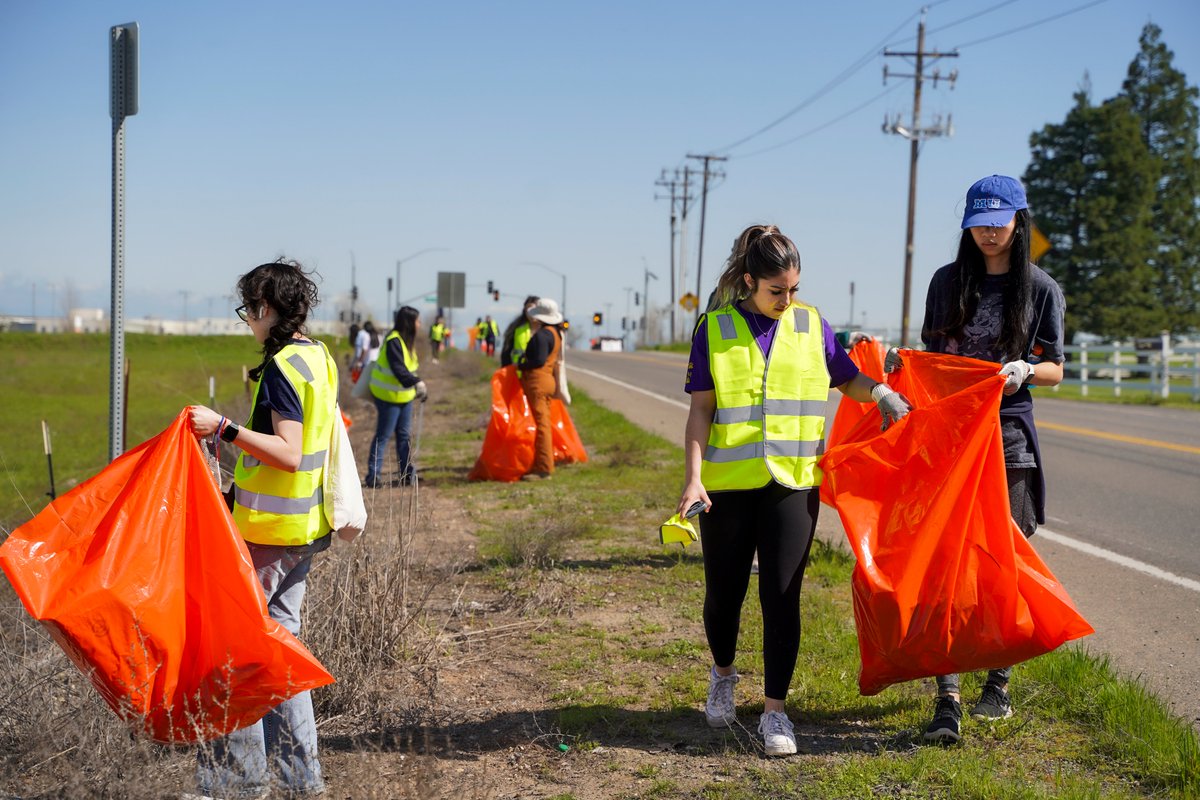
x: 508, y: 444
x: 868, y: 357
x: 945, y: 581
x: 141, y: 576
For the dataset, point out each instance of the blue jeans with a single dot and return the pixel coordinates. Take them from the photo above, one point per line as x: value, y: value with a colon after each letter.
x: 392, y: 418
x: 285, y: 740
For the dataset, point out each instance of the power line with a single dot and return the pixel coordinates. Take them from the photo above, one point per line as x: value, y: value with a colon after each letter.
x: 822, y: 126
x: 843, y: 76
x: 1043, y: 21
x: 959, y: 21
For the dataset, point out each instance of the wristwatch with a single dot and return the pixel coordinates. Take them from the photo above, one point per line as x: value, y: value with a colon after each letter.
x: 230, y: 433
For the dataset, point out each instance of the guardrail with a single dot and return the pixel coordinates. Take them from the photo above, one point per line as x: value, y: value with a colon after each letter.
x: 1122, y: 365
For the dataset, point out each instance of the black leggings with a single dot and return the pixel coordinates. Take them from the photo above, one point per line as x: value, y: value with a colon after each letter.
x: 779, y: 522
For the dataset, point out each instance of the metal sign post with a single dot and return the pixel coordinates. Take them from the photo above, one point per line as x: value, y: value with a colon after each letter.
x: 123, y: 102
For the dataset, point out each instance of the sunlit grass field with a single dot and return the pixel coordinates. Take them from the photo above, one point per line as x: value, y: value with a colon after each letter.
x: 63, y: 379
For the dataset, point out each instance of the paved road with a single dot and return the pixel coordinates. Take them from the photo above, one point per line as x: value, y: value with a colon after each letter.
x: 1123, y: 511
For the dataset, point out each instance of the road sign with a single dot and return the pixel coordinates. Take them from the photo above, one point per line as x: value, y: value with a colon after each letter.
x: 451, y: 289
x: 1039, y: 245
x: 689, y: 301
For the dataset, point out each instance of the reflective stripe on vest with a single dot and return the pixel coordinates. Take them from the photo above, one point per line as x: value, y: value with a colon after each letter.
x: 275, y: 506
x: 384, y: 383
x: 769, y: 423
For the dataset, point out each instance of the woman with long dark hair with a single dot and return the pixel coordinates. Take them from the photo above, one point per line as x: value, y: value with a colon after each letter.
x: 761, y: 367
x: 992, y: 304
x: 394, y: 386
x: 517, y: 334
x: 278, y: 510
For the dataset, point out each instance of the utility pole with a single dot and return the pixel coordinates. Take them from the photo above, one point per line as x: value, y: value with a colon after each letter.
x: 628, y: 318
x: 703, y: 212
x: 673, y: 186
x: 353, y: 289
x: 916, y: 134
x: 687, y: 173
x: 646, y: 297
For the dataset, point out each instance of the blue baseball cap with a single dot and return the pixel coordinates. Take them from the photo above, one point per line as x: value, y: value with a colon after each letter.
x: 992, y: 202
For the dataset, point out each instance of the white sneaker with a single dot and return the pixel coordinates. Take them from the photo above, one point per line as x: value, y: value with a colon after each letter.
x: 719, y: 710
x: 779, y: 738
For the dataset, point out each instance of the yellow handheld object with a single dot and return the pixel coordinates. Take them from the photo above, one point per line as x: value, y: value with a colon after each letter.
x: 678, y: 529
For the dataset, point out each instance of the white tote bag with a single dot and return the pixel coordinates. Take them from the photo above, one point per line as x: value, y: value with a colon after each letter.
x: 364, y: 380
x: 344, y: 506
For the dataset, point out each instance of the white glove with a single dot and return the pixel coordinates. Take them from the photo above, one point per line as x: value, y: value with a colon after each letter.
x: 892, y: 405
x: 422, y: 392
x: 858, y: 336
x: 1015, y: 373
x: 892, y: 361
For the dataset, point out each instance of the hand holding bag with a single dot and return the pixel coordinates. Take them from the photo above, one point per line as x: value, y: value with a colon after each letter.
x: 344, y: 506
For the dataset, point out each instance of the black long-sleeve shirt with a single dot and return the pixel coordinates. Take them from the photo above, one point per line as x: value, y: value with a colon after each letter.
x: 541, y: 344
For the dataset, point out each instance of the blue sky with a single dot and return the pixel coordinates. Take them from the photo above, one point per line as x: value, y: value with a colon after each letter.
x: 509, y: 132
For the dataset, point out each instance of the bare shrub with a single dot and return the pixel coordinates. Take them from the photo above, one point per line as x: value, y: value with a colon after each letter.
x: 536, y: 542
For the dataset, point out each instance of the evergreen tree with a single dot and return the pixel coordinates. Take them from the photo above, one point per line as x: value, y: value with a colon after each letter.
x: 1091, y: 188
x: 1166, y: 107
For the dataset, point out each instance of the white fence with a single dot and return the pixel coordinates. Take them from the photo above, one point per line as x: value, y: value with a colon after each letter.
x: 1144, y: 365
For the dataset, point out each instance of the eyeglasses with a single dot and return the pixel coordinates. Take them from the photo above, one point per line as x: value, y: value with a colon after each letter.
x: 242, y: 313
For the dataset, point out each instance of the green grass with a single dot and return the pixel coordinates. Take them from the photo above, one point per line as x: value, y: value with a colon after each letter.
x: 1100, y: 394
x: 1080, y: 731
x: 64, y: 380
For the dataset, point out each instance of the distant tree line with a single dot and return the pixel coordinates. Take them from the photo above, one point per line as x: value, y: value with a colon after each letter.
x: 1116, y: 189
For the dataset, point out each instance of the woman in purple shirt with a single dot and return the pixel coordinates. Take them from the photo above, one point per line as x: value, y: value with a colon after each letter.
x: 776, y: 520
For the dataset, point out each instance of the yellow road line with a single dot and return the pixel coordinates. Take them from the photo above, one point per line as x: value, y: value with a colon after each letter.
x: 1116, y: 437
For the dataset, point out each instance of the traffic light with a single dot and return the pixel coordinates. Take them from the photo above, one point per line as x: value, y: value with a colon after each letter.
x: 597, y: 318
x: 353, y: 292
x: 490, y: 288
x: 566, y: 324
x: 624, y: 323
x: 496, y: 295
x: 637, y: 298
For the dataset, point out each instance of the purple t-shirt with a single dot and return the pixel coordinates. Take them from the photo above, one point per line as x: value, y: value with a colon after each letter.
x: 699, y: 375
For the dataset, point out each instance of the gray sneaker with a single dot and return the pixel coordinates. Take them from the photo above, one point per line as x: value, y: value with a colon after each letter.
x: 720, y: 710
x: 779, y: 737
x: 993, y: 704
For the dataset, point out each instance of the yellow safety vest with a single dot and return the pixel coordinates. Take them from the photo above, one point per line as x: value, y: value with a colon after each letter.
x: 274, y: 506
x: 437, y: 332
x: 770, y: 418
x: 384, y: 384
x: 521, y: 336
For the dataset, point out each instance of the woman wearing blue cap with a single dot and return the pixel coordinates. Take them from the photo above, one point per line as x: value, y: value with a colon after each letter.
x: 992, y: 304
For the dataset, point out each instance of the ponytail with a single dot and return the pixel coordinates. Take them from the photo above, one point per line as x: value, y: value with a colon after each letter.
x: 760, y: 251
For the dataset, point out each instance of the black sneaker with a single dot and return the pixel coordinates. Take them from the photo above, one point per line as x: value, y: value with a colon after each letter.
x: 947, y: 721
x: 993, y: 704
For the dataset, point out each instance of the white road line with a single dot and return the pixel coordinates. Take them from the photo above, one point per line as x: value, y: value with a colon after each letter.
x: 1117, y: 558
x: 629, y: 386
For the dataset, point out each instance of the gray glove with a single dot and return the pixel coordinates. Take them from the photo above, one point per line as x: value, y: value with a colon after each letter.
x: 1015, y: 373
x: 892, y: 405
x: 892, y: 361
x: 422, y: 392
